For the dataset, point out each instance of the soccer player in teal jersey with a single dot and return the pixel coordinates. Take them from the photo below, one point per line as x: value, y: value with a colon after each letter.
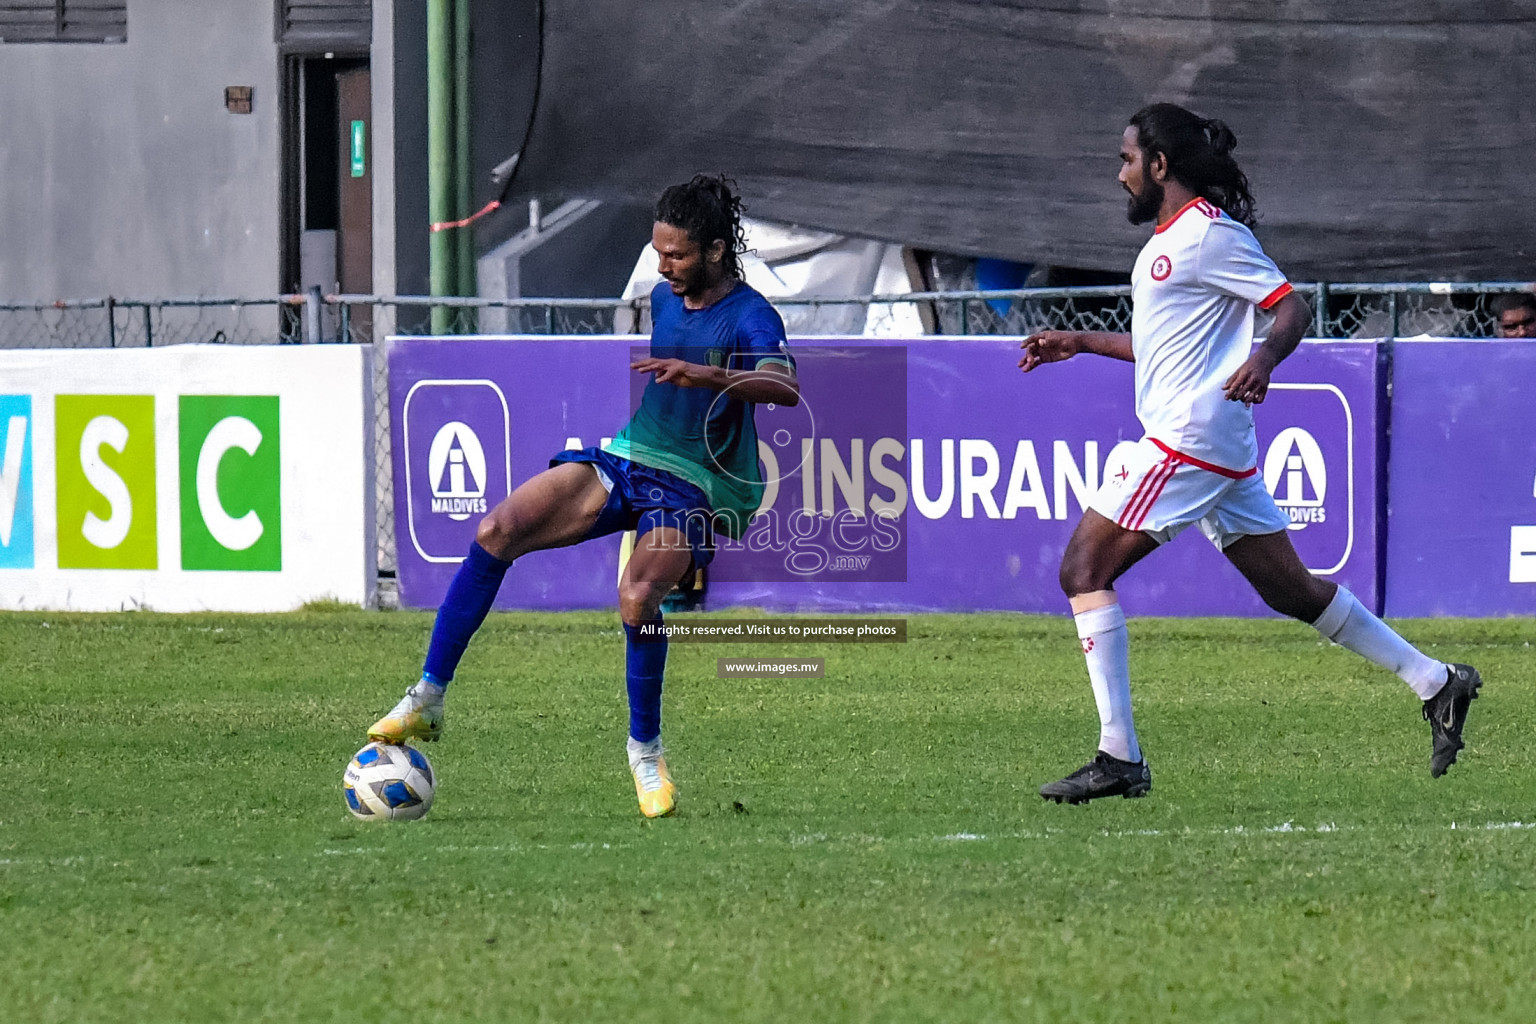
x: 684, y: 466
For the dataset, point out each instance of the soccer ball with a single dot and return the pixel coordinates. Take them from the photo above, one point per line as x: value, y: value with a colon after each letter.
x: 385, y: 782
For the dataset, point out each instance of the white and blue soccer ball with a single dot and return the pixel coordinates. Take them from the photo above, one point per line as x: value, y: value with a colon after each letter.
x: 385, y: 782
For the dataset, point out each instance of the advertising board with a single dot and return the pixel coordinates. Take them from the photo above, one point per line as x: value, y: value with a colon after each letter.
x: 983, y: 471
x: 186, y: 478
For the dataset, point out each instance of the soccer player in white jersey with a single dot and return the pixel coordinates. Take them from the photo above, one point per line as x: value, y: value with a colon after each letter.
x: 1195, y: 288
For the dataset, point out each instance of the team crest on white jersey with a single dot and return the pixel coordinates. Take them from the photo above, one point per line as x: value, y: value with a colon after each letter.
x: 1296, y: 475
x: 1161, y: 268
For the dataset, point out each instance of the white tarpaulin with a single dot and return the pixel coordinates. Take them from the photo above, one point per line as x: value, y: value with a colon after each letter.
x: 786, y: 262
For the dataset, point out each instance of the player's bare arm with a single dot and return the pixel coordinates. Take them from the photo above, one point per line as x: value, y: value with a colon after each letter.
x: 1054, y: 346
x: 772, y: 383
x: 1251, y: 381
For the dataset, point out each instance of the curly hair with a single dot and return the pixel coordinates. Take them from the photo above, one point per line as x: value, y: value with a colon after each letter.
x: 709, y: 209
x: 1199, y: 155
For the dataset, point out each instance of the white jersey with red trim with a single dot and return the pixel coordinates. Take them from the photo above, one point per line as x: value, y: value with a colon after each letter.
x: 1194, y: 290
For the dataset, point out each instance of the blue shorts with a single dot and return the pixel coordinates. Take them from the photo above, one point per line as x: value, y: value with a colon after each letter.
x: 641, y: 498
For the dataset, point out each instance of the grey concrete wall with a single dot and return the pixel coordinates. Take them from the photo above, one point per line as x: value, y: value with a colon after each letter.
x: 122, y: 173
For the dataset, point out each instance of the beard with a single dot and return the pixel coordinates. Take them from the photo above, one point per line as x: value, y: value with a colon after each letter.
x: 1143, y: 206
x: 690, y: 284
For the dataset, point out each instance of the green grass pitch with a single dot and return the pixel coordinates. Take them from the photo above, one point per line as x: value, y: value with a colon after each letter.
x: 864, y: 847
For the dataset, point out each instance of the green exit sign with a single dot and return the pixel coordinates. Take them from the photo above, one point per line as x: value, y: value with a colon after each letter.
x: 359, y: 148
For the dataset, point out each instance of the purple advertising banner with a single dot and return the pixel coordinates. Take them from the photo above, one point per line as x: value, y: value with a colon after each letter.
x: 832, y: 463
x: 985, y: 470
x: 472, y: 419
x: 1461, y: 492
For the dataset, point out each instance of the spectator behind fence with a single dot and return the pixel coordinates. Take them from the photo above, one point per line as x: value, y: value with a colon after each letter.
x: 1514, y: 315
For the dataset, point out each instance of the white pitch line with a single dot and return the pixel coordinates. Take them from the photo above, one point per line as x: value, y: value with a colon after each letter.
x: 816, y: 838
x: 351, y: 852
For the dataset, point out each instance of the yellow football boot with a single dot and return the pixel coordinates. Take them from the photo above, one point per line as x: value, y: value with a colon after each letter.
x: 653, y: 782
x: 418, y: 716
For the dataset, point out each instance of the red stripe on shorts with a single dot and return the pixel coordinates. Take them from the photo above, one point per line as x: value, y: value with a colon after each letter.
x: 1130, y: 506
x: 1146, y: 493
x: 1157, y: 492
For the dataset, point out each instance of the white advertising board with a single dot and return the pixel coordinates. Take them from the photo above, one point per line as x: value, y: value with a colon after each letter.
x: 188, y: 478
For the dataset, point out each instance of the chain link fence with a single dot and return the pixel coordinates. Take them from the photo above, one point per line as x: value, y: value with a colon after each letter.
x: 1340, y: 311
x: 1344, y: 311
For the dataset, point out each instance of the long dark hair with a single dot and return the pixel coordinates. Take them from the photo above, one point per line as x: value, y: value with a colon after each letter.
x: 709, y: 209
x: 1199, y: 155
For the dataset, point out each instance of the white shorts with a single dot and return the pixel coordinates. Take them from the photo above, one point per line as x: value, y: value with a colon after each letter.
x: 1157, y: 491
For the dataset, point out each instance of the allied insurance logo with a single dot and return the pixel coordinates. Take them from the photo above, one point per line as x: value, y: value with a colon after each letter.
x: 458, y: 462
x: 1309, y: 469
x: 1296, y: 474
x: 456, y: 472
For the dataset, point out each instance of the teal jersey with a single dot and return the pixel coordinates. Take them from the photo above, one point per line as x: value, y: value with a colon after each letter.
x: 707, y: 437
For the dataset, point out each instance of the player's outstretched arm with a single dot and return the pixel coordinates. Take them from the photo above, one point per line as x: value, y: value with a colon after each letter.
x: 773, y: 383
x: 1251, y: 381
x: 1054, y: 346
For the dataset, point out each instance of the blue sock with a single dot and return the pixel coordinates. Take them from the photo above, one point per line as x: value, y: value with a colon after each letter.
x: 469, y: 598
x: 645, y: 660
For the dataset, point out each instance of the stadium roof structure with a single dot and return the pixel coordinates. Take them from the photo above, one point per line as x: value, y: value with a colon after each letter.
x: 1385, y: 139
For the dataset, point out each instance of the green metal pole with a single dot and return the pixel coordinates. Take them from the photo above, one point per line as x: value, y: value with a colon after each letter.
x: 465, y: 236
x: 440, y: 154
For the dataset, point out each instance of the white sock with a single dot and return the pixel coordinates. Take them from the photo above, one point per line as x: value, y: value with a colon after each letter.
x: 1107, y: 648
x: 1347, y: 623
x: 429, y: 689
x: 638, y: 750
